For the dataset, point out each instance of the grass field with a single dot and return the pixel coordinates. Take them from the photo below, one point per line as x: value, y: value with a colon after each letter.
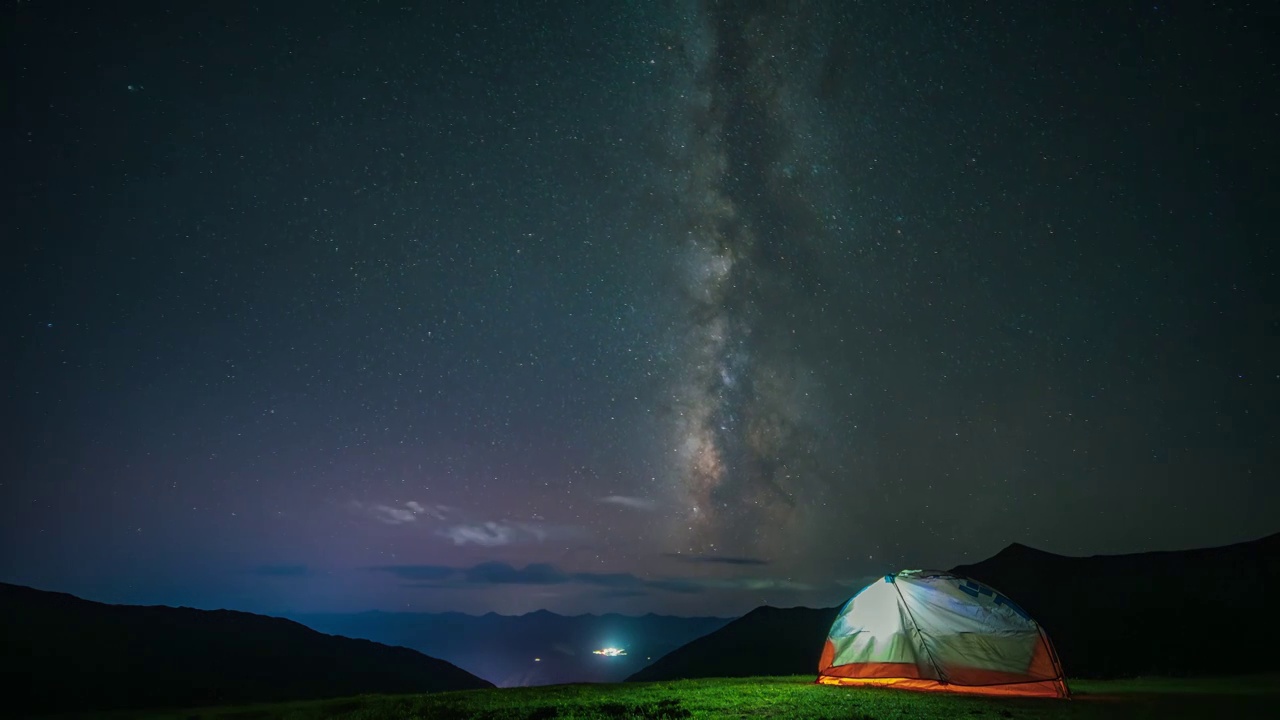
x: 779, y: 697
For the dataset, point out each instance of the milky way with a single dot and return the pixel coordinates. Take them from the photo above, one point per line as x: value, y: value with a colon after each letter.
x: 745, y: 434
x: 812, y: 291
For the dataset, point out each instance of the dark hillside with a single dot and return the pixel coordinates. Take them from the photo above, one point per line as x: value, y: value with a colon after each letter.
x: 64, y: 654
x: 765, y: 641
x: 1186, y: 612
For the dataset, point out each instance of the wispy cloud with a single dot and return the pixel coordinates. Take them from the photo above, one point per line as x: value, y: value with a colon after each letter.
x: 452, y: 524
x: 494, y: 534
x: 635, y: 503
x: 716, y: 559
x: 393, y: 515
x: 403, y: 513
x: 436, y: 512
x: 500, y: 573
x: 281, y: 570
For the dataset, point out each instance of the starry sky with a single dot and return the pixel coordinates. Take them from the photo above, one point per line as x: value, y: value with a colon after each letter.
x: 680, y: 306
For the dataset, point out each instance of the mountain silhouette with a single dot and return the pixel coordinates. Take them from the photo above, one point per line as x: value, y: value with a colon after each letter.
x: 1183, y: 612
x: 765, y: 641
x: 1187, y: 612
x: 65, y: 654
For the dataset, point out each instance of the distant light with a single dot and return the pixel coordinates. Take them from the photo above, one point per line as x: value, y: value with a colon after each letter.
x: 610, y: 652
x: 537, y: 659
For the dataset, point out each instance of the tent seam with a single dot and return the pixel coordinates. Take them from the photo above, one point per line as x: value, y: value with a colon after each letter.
x: 920, y: 634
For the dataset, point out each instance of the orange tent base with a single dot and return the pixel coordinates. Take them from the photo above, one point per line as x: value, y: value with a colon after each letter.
x: 1046, y: 688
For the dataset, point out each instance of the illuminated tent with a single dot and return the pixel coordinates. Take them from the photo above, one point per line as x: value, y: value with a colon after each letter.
x: 926, y: 630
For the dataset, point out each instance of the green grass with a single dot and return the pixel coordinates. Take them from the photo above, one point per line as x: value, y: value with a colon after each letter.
x: 778, y: 697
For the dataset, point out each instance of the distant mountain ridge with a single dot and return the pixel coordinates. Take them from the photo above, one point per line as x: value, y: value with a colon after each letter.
x: 538, y: 648
x: 1204, y: 611
x: 65, y: 654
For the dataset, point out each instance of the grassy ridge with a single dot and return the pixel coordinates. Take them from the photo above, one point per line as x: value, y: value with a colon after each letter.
x: 778, y: 697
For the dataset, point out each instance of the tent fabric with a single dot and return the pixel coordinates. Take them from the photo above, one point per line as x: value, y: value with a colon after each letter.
x: 927, y: 630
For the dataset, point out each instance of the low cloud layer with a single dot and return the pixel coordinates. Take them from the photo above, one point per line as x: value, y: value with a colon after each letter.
x: 499, y: 573
x: 281, y: 570
x: 716, y: 559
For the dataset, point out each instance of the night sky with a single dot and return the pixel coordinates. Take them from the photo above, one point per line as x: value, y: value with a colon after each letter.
x: 662, y: 306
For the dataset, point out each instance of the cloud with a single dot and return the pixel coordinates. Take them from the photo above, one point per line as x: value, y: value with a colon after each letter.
x: 494, y: 534
x: 610, y: 580
x: 634, y: 503
x: 498, y: 573
x: 762, y: 584
x: 678, y: 585
x: 418, y: 572
x: 405, y: 513
x: 436, y: 512
x: 485, y: 534
x: 543, y: 574
x: 489, y: 534
x: 281, y: 570
x: 393, y: 515
x: 717, y: 559
x: 623, y: 594
x: 487, y: 573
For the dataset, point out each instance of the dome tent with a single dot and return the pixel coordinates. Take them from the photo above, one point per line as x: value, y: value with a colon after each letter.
x: 927, y: 630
